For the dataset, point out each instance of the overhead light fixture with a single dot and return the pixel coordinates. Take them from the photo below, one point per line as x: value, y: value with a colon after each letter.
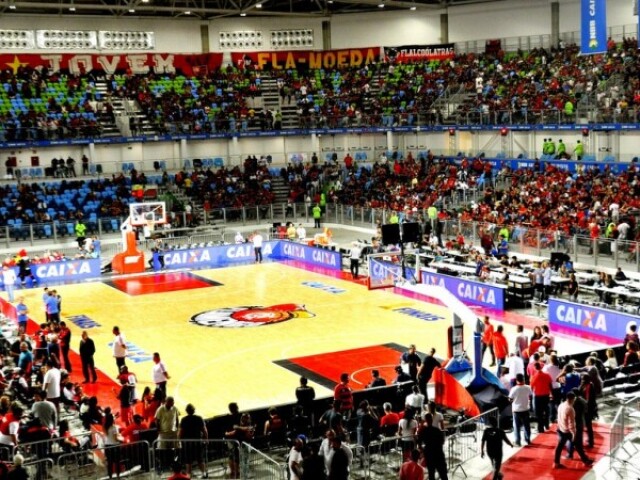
x: 72, y: 8
x: 12, y: 6
x: 243, y: 14
x: 381, y: 5
x: 187, y: 12
x: 145, y: 1
x: 132, y: 10
x: 413, y: 8
x: 258, y: 5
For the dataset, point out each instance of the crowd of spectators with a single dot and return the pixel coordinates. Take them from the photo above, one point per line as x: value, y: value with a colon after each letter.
x: 539, y: 86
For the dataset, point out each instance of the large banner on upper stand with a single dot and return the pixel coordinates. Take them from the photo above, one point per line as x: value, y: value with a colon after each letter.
x: 419, y: 53
x: 306, y: 59
x: 593, y: 27
x: 136, y: 63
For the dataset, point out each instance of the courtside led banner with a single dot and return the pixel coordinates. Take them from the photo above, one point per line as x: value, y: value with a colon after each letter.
x: 593, y: 27
x: 136, y: 63
x: 419, y: 53
x: 306, y: 59
x: 587, y: 321
x: 468, y: 290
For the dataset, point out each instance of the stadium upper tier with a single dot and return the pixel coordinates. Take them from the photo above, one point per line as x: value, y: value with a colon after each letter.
x: 536, y: 87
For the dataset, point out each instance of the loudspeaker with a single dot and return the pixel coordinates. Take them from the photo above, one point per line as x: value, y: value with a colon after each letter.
x: 559, y: 257
x: 391, y: 234
x: 411, y: 232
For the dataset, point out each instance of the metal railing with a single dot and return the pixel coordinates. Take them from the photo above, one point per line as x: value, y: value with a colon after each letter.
x: 464, y: 444
x: 622, y: 443
x: 384, y: 457
x: 256, y: 464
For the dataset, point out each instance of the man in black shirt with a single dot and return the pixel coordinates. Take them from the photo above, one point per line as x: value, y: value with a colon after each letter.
x: 193, y: 428
x: 376, y: 381
x: 305, y: 395
x: 425, y: 371
x: 493, y: 438
x: 432, y: 443
x: 87, y: 350
x: 412, y: 360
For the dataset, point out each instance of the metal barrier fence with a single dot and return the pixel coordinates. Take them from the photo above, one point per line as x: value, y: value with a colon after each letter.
x: 464, y: 444
x: 256, y: 464
x: 41, y: 469
x: 623, y: 438
x: 385, y: 456
x: 219, y: 458
x: 126, y: 459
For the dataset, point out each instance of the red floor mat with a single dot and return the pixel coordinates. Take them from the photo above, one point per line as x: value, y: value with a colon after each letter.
x: 325, y: 368
x: 538, y: 458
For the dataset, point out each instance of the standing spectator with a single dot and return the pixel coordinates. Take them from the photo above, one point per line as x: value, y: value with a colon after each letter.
x: 632, y: 335
x: 580, y: 408
x: 389, y: 421
x: 167, y: 420
x: 410, y: 360
x: 81, y: 230
x: 159, y: 373
x: 64, y: 337
x: 257, y: 246
x: 487, y: 339
x: 344, y: 394
x: 125, y: 396
x: 52, y: 303
x: 9, y: 280
x: 432, y: 442
x: 305, y: 395
x: 87, y: 350
x: 522, y: 345
x: 85, y: 165
x: 500, y: 347
x: 520, y: 396
x: 192, y: 427
x: 542, y: 386
x: 411, y: 469
x: 407, y: 429
x: 553, y: 369
x: 493, y: 438
x: 340, y: 462
x: 112, y: 442
x: 294, y: 461
x: 354, y: 259
x: 44, y: 410
x: 316, y: 212
x: 21, y: 312
x: 367, y: 424
x: 18, y: 472
x: 425, y: 372
x: 567, y: 431
x: 119, y: 347
x: 415, y: 400
x: 51, y: 383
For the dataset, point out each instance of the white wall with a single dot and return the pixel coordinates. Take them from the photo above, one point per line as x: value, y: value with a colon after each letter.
x: 385, y: 29
x: 619, y: 12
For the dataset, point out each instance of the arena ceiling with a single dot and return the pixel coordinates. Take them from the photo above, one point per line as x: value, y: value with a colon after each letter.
x: 210, y: 9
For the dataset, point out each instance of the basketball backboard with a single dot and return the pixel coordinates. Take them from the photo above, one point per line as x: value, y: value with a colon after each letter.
x: 147, y: 214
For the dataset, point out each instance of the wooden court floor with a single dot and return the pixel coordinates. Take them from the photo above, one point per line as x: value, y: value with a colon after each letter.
x: 215, y: 362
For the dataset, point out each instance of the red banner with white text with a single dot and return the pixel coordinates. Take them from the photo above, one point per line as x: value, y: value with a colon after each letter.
x: 306, y: 59
x: 136, y: 63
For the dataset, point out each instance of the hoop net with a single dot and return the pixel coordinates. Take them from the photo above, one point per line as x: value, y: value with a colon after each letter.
x: 385, y: 269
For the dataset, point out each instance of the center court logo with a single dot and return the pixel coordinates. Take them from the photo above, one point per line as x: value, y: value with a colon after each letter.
x: 250, y: 316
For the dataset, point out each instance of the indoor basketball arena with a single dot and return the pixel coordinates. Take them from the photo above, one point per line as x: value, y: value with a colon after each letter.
x: 359, y: 239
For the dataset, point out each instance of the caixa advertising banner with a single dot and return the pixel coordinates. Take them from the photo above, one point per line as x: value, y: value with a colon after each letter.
x: 67, y: 271
x: 586, y: 321
x: 467, y: 290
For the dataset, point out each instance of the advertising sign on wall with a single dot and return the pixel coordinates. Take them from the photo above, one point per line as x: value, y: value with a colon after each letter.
x: 467, y: 290
x: 419, y: 53
x: 306, y: 59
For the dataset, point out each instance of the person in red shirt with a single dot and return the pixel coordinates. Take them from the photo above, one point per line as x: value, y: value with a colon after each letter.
x: 131, y: 433
x: 500, y: 347
x: 542, y: 386
x: 344, y: 393
x: 487, y: 340
x: 64, y: 337
x: 389, y: 421
x: 411, y: 469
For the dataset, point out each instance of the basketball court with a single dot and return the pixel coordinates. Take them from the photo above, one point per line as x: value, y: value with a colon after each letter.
x: 247, y: 333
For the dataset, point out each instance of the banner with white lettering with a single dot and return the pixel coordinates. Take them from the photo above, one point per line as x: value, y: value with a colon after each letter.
x: 586, y: 321
x: 136, y: 63
x: 311, y: 255
x: 306, y: 59
x: 593, y: 27
x: 468, y: 290
x: 215, y: 256
x: 68, y: 271
x: 419, y: 53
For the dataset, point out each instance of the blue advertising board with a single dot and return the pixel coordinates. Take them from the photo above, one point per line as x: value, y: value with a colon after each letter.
x: 591, y: 322
x: 467, y: 290
x: 379, y: 271
x: 311, y: 255
x: 68, y: 271
x: 215, y: 256
x: 593, y: 27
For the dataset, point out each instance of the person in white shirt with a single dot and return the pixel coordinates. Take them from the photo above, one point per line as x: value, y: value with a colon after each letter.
x: 326, y: 450
x: 51, y: 384
x: 354, y: 258
x: 438, y: 418
x: 295, y: 458
x: 9, y: 280
x: 515, y: 364
x: 415, y: 400
x: 520, y: 397
x: 119, y: 348
x: 159, y: 373
x: 257, y: 246
x: 239, y: 238
x: 301, y: 232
